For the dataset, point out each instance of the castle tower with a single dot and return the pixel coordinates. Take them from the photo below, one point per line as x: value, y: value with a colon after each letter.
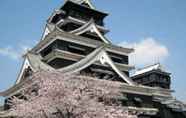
x: 154, y: 76
x: 74, y: 41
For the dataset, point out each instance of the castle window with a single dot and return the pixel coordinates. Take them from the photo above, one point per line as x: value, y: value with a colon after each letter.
x: 137, y: 99
x: 117, y: 59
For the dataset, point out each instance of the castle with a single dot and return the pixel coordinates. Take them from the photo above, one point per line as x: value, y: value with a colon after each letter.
x: 74, y: 41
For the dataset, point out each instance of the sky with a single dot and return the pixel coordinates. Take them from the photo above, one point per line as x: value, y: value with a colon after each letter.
x: 154, y: 28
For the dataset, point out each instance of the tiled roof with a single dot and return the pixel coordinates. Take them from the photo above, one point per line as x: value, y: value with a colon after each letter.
x: 157, y: 66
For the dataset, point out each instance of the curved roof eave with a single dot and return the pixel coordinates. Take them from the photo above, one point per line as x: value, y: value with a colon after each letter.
x: 98, y: 55
x: 34, y: 62
x: 90, y: 26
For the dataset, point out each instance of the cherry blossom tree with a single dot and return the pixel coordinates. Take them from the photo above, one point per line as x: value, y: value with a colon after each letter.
x: 55, y: 95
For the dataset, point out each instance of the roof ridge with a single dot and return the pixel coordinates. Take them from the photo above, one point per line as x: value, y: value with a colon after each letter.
x: 149, y: 66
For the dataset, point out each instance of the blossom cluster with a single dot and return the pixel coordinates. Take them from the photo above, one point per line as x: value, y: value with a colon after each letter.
x: 55, y: 95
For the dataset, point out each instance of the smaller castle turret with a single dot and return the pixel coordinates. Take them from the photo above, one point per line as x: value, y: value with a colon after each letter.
x: 153, y: 76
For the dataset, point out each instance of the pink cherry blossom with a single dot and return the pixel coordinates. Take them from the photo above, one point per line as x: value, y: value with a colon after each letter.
x: 55, y: 95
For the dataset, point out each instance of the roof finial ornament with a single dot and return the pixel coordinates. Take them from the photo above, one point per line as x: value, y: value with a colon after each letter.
x: 83, y: 1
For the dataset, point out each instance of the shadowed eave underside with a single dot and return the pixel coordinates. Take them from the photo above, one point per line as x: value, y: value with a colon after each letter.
x: 57, y: 34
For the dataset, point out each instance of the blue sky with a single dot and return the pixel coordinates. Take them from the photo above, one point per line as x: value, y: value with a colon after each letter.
x: 152, y: 27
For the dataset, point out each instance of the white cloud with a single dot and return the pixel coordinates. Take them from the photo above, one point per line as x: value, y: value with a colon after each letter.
x: 13, y: 53
x: 8, y: 51
x: 147, y: 51
x: 16, y: 52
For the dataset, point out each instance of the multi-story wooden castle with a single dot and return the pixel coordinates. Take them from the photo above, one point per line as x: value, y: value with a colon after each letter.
x: 74, y: 42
